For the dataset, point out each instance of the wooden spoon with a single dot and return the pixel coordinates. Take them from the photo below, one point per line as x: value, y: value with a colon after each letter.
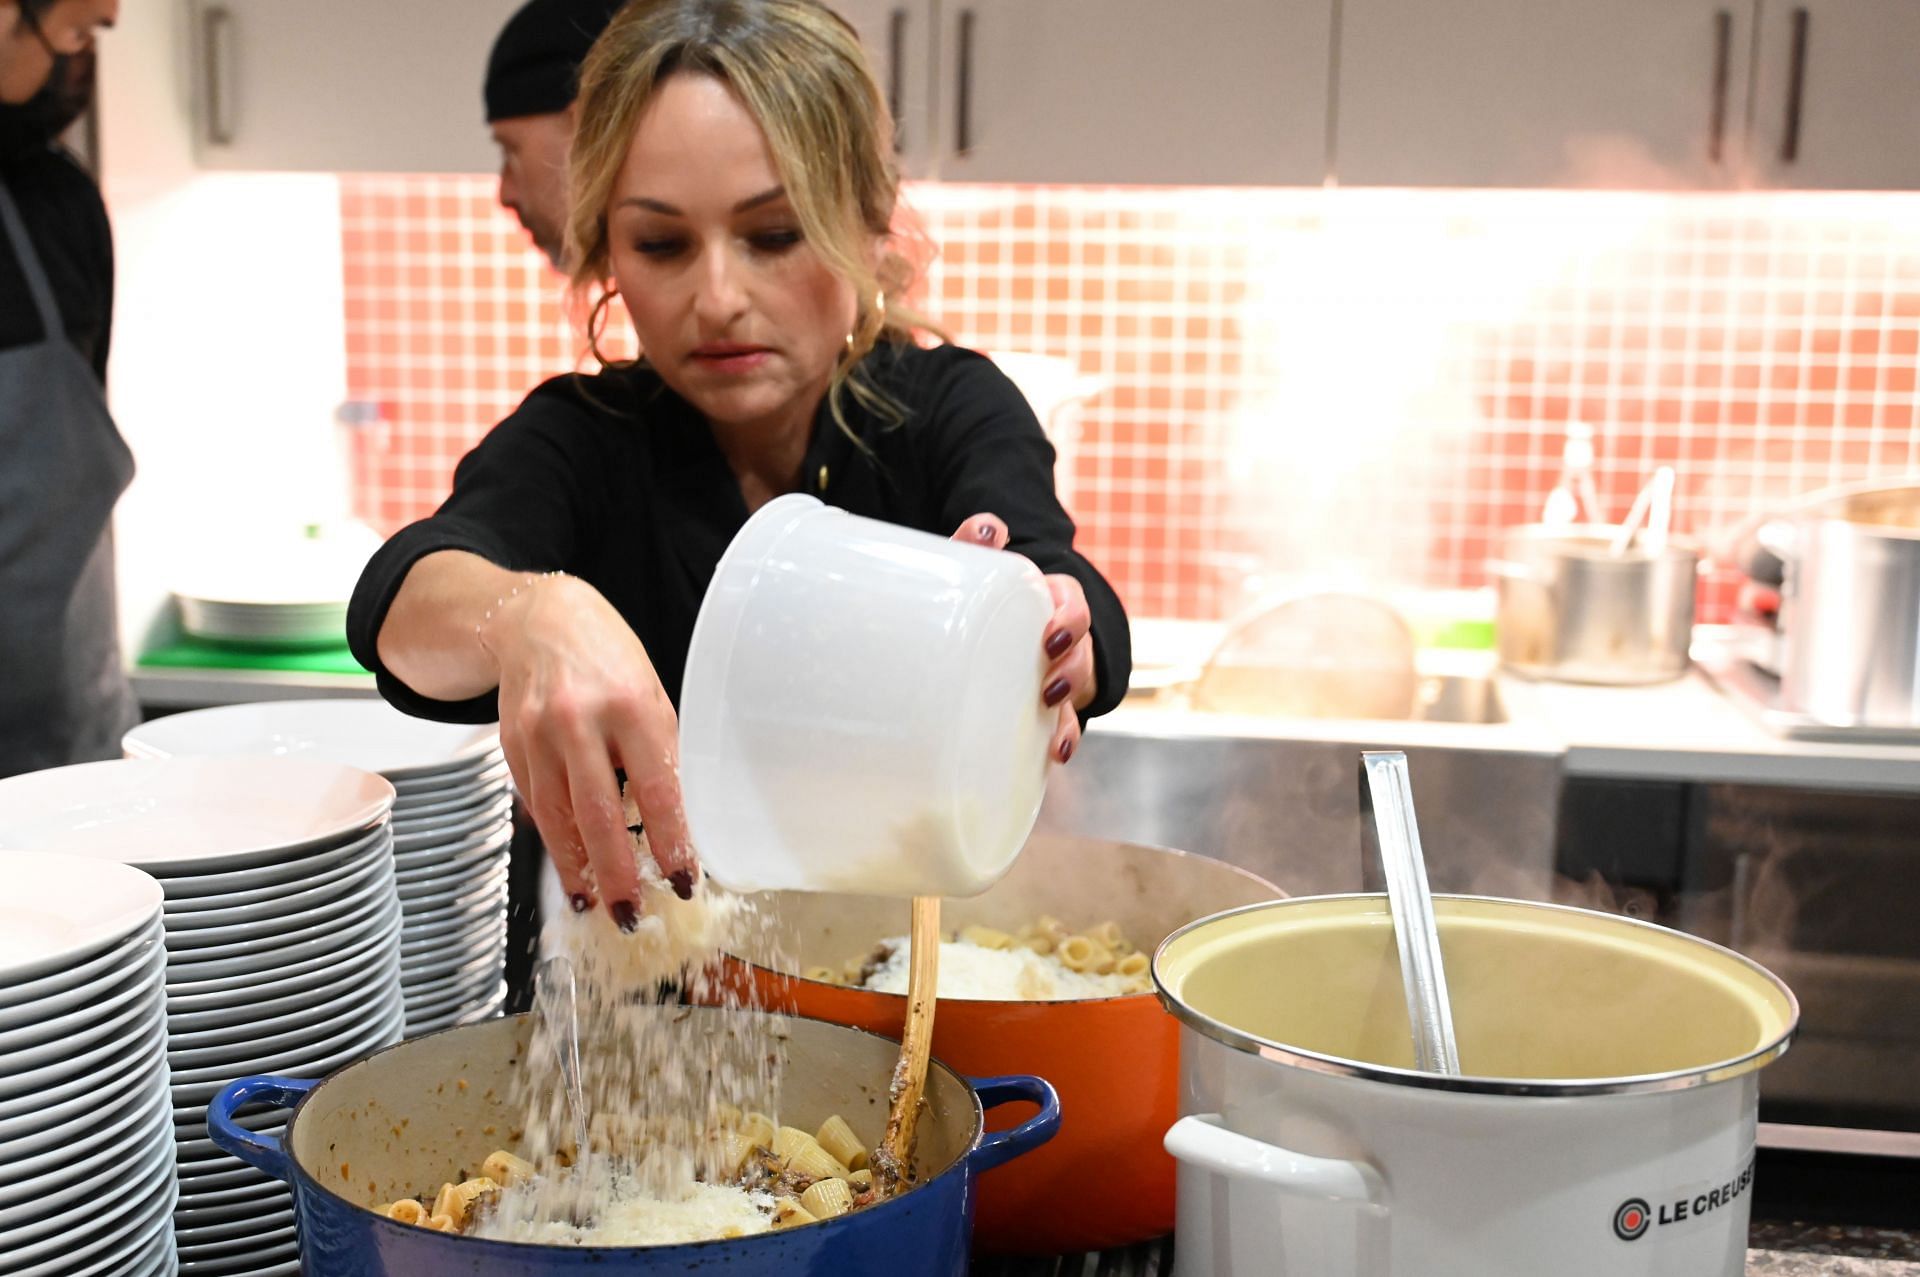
x: 894, y: 1162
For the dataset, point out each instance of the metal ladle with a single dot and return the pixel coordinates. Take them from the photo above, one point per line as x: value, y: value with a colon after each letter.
x: 1386, y: 811
x: 556, y: 1005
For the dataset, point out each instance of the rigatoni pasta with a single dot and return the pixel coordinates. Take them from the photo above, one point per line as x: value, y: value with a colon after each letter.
x: 780, y: 1176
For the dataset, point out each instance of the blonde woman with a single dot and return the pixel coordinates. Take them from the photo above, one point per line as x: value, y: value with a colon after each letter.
x: 733, y: 184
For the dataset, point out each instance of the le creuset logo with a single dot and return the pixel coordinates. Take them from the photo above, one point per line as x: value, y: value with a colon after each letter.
x: 1635, y: 1217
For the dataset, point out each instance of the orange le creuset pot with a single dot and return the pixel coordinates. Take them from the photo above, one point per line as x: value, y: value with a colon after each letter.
x: 1105, y: 1180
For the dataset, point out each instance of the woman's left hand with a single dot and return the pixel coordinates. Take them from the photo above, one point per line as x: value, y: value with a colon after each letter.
x: 1069, y: 682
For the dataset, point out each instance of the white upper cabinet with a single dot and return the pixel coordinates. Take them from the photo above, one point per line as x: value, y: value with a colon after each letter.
x: 344, y: 85
x: 1108, y: 91
x: 1836, y: 101
x: 1541, y: 93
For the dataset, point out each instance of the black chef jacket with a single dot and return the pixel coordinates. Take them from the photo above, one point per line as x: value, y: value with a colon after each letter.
x: 67, y: 222
x: 617, y: 480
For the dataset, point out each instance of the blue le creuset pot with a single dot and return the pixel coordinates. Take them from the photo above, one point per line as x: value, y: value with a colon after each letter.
x: 400, y: 1123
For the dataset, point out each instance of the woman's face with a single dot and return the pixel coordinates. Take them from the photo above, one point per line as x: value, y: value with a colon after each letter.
x: 27, y: 54
x: 730, y: 302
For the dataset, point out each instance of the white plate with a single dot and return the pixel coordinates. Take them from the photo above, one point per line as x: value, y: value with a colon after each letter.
x: 494, y: 835
x: 483, y: 926
x: 409, y: 786
x: 84, y: 982
x: 233, y: 989
x: 233, y: 1229
x: 58, y: 911
x: 197, y: 1086
x: 323, y: 875
x: 89, y: 1072
x: 466, y: 1013
x: 428, y: 998
x: 489, y: 784
x: 368, y: 734
x: 446, y: 1009
x: 191, y: 815
x: 350, y: 983
x: 128, y: 1007
x: 143, y: 1248
x: 455, y: 818
x: 213, y: 890
x: 457, y: 894
x: 229, y: 1173
x: 478, y: 858
x: 265, y: 961
x: 246, y: 1195
x: 330, y: 909
x: 147, y: 1180
x: 84, y: 1094
x: 242, y: 1258
x: 408, y: 852
x: 61, y: 1144
x: 290, y: 1036
x: 146, y: 1137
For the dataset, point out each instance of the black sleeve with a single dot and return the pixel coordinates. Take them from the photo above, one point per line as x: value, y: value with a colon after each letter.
x: 988, y: 455
x: 525, y: 498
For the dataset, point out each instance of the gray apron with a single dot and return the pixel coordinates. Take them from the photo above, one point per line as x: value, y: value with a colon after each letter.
x: 63, y: 691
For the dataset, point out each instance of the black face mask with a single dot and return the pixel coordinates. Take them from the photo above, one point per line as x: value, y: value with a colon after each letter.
x: 33, y: 124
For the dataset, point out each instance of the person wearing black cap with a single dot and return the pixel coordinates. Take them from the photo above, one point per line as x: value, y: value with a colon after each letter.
x: 531, y: 77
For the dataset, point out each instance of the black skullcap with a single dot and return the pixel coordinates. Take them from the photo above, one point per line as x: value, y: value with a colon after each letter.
x: 534, y: 68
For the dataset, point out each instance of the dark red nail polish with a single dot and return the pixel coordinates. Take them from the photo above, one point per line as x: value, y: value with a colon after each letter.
x: 1057, y: 643
x: 580, y: 903
x: 988, y: 534
x: 626, y: 915
x: 1066, y: 750
x: 1056, y: 691
x: 682, y: 880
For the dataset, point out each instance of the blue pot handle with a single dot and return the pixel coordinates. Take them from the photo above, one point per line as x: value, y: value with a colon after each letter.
x: 262, y: 1152
x: 1000, y: 1147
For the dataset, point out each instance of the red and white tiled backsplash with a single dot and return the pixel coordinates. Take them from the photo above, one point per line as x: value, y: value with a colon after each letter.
x: 1320, y: 384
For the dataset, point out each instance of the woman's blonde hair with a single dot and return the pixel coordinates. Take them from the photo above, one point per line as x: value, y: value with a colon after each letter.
x: 804, y: 77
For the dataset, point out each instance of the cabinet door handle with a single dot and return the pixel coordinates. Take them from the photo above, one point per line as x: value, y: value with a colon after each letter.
x: 896, y: 55
x: 216, y: 34
x: 963, y: 89
x: 1722, y: 61
x: 1796, y: 88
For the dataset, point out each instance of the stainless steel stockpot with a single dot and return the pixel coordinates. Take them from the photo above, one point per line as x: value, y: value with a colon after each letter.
x: 1571, y: 610
x: 1850, y: 607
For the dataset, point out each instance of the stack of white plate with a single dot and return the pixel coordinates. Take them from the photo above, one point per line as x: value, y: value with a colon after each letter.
x: 85, y: 1134
x: 281, y: 934
x: 452, y: 828
x: 292, y: 624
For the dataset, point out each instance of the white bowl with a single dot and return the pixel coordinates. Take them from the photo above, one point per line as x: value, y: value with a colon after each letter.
x: 861, y: 708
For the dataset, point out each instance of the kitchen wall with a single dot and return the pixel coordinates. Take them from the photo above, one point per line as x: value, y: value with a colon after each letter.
x: 1324, y: 385
x: 229, y: 338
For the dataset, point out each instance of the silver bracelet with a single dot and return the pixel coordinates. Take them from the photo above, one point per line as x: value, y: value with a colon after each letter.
x: 526, y: 583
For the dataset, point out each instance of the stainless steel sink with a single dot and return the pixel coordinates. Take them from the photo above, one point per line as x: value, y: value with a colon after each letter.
x: 1461, y: 698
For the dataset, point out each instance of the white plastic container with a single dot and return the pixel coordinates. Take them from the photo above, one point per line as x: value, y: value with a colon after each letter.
x: 861, y: 710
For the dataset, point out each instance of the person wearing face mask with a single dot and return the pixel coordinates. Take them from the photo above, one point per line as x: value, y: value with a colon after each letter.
x: 734, y: 190
x: 532, y: 73
x: 64, y: 695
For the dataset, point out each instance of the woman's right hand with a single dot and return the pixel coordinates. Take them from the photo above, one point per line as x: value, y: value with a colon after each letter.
x: 579, y: 702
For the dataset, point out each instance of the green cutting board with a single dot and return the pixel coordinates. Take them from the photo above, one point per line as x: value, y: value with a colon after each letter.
x: 199, y: 654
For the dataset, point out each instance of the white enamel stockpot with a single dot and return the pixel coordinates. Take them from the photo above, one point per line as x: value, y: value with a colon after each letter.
x: 1603, y: 1125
